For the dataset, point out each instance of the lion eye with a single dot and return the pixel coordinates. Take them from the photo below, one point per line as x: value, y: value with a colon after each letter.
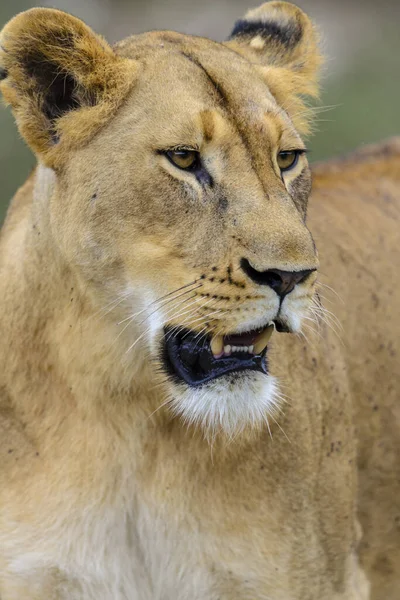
x: 183, y: 159
x: 288, y: 159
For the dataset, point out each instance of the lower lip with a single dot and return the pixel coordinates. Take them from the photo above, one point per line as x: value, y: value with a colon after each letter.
x: 194, y: 364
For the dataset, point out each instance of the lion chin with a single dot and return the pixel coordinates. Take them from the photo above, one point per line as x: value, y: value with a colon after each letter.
x: 219, y: 384
x: 230, y: 405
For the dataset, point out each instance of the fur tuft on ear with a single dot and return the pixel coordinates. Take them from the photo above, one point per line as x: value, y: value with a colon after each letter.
x: 282, y: 42
x: 62, y: 80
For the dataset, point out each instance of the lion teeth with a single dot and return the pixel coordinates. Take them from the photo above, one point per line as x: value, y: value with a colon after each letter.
x: 219, y: 349
x: 217, y: 346
x: 262, y: 339
x: 232, y: 349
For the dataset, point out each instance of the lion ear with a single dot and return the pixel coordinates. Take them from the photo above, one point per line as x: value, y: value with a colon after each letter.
x: 62, y: 80
x: 282, y: 42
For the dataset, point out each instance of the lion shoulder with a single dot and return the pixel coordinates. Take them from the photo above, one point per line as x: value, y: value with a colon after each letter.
x: 369, y: 165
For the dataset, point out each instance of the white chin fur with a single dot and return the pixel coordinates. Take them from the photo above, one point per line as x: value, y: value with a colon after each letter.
x: 229, y: 404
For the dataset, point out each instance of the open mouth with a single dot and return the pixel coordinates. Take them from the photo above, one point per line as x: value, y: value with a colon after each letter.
x: 196, y: 359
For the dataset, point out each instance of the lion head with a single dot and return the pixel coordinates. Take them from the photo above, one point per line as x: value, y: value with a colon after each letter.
x: 176, y: 188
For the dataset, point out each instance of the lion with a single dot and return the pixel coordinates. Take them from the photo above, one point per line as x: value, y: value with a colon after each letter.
x: 166, y: 431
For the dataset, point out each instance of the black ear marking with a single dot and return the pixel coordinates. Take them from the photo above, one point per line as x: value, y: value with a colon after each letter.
x: 56, y: 84
x: 58, y: 88
x: 59, y: 98
x: 288, y: 34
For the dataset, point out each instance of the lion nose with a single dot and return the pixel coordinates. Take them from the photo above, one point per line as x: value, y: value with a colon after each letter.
x: 282, y: 282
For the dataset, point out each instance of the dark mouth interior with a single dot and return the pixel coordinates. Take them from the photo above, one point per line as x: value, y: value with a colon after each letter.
x: 188, y: 356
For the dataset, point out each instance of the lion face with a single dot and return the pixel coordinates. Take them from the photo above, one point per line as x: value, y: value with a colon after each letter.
x: 182, y: 201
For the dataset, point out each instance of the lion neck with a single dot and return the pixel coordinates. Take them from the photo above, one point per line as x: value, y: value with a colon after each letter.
x: 70, y: 344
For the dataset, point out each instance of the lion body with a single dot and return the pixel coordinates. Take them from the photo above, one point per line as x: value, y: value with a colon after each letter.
x: 106, y: 494
x: 157, y: 514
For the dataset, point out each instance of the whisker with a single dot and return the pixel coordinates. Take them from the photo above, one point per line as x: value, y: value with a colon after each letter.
x: 319, y: 283
x: 191, y: 313
x: 276, y: 422
x: 202, y: 337
x: 172, y: 300
x: 314, y: 331
x: 167, y: 401
x: 324, y: 298
x: 132, y: 317
x: 200, y: 332
x: 329, y: 321
x: 325, y: 311
x: 115, y: 302
x: 193, y: 310
x: 308, y: 341
x: 203, y: 318
x: 269, y: 429
x: 163, y: 303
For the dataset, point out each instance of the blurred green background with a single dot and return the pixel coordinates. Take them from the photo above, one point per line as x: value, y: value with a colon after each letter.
x: 361, y: 81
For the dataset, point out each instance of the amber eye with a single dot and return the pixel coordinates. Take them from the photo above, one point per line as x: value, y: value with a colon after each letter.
x: 184, y: 159
x: 288, y: 159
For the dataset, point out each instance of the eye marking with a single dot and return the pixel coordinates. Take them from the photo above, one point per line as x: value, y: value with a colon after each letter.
x: 186, y: 159
x: 189, y: 160
x: 288, y: 159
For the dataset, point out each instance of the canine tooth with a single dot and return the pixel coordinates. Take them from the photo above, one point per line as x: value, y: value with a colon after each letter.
x: 251, y: 348
x: 227, y: 350
x: 217, y: 345
x: 263, y: 339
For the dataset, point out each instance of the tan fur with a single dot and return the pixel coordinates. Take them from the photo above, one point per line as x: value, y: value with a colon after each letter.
x: 66, y: 45
x: 291, y: 73
x: 105, y: 491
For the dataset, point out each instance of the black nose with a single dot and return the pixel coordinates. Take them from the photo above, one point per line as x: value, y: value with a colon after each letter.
x: 282, y: 282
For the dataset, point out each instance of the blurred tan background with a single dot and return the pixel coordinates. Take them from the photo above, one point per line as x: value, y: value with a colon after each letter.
x: 361, y: 79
